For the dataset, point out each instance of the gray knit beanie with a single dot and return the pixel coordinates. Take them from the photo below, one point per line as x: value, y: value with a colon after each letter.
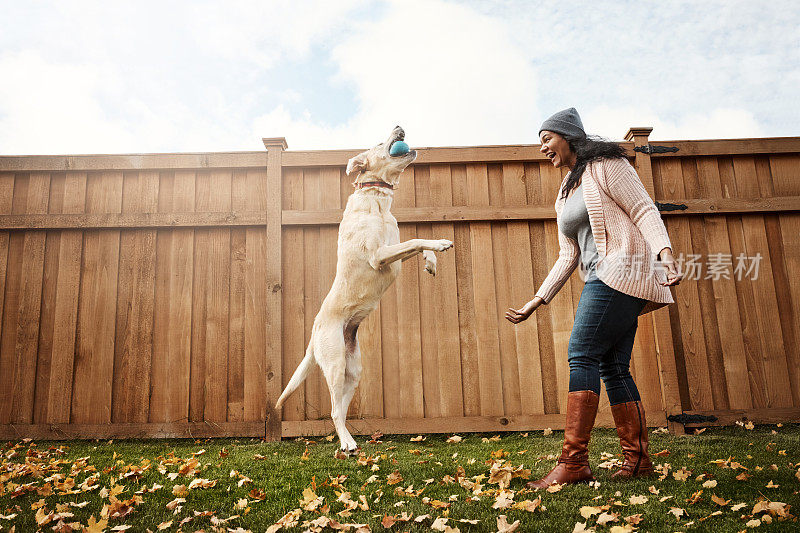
x: 566, y: 122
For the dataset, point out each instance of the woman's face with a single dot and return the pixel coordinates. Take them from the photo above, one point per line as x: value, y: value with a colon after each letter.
x: 557, y: 149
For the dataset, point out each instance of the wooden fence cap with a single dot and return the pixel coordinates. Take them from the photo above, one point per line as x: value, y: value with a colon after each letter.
x: 641, y: 131
x: 275, y: 141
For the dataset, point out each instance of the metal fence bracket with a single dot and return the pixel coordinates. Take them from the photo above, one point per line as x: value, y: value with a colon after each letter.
x: 654, y: 149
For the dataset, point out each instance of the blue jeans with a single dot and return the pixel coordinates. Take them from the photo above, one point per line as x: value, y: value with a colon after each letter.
x: 601, y: 342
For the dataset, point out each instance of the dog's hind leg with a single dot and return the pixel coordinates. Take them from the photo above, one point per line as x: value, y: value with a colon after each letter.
x: 352, y: 373
x: 331, y: 357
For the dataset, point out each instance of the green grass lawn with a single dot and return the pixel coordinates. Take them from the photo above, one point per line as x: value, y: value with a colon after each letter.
x: 246, y: 484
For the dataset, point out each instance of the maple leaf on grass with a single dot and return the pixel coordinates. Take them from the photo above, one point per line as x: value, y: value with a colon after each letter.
x: 677, y: 511
x: 504, y: 527
x: 633, y: 519
x: 589, y: 511
x: 637, y: 500
x: 529, y: 505
x: 605, y: 518
x: 394, y: 478
x: 719, y: 501
x: 95, y: 526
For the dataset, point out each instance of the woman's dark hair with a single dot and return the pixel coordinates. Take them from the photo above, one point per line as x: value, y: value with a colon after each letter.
x: 588, y: 149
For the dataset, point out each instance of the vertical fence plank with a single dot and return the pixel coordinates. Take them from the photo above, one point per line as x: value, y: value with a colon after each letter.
x: 172, y: 329
x: 520, y: 267
x: 23, y: 310
x: 787, y: 356
x: 466, y: 300
x: 408, y: 320
x: 18, y: 190
x: 257, y: 356
x: 135, y: 294
x: 732, y: 351
x: 431, y: 379
x: 445, y: 301
x: 7, y: 180
x: 312, y: 200
x: 777, y: 389
x: 6, y: 198
x: 693, y: 188
x: 785, y: 183
x: 520, y: 287
x: 483, y: 287
x: 49, y: 279
x: 97, y: 309
x: 744, y: 292
x: 294, y: 310
x: 209, y: 388
x: 240, y: 192
x: 64, y: 274
x: 390, y: 353
x: 509, y: 358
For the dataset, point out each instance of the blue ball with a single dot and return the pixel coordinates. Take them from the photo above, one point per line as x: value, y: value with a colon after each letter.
x: 399, y: 148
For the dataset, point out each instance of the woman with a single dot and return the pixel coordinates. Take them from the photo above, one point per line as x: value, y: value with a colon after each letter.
x: 609, y: 225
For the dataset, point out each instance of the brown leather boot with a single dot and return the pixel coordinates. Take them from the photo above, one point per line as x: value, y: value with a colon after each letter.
x: 632, y: 430
x: 573, y: 465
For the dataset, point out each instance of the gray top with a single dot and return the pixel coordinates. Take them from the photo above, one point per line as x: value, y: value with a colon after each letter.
x: 574, y: 223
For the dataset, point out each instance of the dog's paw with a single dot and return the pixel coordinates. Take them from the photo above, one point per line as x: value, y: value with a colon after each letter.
x: 443, y: 244
x: 430, y: 262
x: 347, y: 451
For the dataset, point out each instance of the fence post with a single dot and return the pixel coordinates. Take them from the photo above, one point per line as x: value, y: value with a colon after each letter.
x: 662, y: 329
x: 274, y: 271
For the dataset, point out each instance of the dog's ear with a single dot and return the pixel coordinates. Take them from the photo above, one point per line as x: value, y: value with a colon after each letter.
x: 357, y: 163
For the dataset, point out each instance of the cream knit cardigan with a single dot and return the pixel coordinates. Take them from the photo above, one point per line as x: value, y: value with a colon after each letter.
x: 628, y: 232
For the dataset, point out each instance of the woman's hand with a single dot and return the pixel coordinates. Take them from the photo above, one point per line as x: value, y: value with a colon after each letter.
x: 518, y: 315
x: 674, y: 275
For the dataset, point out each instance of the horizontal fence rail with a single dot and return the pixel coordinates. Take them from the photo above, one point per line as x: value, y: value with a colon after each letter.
x: 173, y: 295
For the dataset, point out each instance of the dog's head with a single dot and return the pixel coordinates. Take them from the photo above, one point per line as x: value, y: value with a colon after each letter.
x: 377, y: 164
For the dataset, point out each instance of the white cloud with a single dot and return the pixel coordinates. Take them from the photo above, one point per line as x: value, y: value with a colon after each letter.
x: 719, y: 123
x: 93, y: 77
x: 47, y: 107
x: 261, y: 32
x: 446, y: 73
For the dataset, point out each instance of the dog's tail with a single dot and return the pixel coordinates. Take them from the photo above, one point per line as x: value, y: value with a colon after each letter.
x: 298, y: 377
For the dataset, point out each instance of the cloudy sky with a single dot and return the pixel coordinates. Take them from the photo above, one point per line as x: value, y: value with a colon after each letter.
x: 172, y: 76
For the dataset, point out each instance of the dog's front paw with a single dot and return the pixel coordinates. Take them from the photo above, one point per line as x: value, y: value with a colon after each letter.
x: 443, y: 244
x: 430, y: 262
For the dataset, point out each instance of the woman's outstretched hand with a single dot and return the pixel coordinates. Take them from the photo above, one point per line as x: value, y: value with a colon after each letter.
x: 674, y: 275
x: 518, y: 315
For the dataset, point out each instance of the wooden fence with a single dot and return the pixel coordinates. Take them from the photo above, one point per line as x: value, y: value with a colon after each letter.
x: 173, y: 294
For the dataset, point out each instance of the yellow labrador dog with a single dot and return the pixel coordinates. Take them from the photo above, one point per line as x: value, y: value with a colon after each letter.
x: 368, y: 261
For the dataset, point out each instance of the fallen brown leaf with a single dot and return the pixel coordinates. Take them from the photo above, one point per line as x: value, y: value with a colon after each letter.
x: 504, y: 527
